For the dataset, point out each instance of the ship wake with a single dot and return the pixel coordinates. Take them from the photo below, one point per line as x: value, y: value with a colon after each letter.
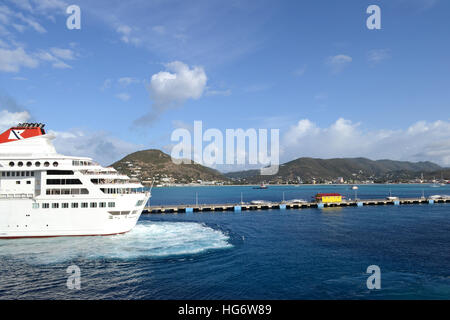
x: 146, y: 240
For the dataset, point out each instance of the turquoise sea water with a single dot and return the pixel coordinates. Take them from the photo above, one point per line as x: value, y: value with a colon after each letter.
x: 274, y: 254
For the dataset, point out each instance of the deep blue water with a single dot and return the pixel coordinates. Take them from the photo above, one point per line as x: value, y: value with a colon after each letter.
x: 277, y: 254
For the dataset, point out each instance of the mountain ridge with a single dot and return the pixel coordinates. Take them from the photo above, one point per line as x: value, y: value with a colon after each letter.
x: 155, y: 165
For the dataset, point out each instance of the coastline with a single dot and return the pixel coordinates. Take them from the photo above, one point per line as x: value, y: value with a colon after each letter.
x: 291, y: 185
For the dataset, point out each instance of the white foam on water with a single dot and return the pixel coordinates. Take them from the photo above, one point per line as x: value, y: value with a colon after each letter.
x: 147, y: 239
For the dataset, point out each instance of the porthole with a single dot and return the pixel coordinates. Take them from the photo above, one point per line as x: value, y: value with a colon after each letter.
x: 46, y: 164
x: 11, y: 164
x: 29, y: 164
x: 55, y: 164
x: 20, y: 164
x: 37, y: 164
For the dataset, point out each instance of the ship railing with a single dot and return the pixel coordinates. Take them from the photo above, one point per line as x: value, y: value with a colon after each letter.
x: 127, y: 191
x: 16, y: 195
x: 99, y: 173
x: 114, y: 182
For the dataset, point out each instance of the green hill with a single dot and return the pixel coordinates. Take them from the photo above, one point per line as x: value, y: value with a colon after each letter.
x: 149, y: 165
x: 358, y: 169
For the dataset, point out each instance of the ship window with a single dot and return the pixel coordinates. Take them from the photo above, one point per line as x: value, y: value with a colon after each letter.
x: 20, y: 164
x: 28, y: 182
x: 55, y: 205
x: 8, y: 174
x: 45, y: 206
x: 46, y: 164
x: 37, y: 164
x: 17, y: 182
x: 84, y: 204
x: 59, y: 172
x: 84, y: 191
x: 55, y: 164
x: 75, y: 205
x: 111, y: 204
x: 3, y: 174
x: 63, y: 181
x: 35, y: 205
x: 32, y: 173
x: 29, y: 164
x: 65, y: 191
x: 102, y: 204
x: 139, y: 203
x: 22, y: 174
x: 27, y: 173
x: 65, y: 205
x: 11, y: 164
x: 93, y: 205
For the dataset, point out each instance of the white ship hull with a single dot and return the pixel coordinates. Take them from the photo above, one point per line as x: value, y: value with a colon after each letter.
x: 19, y: 220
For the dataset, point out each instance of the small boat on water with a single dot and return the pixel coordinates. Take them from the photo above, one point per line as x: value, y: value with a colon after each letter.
x: 355, y: 188
x: 439, y: 197
x: 435, y: 185
x: 260, y: 202
x: 297, y: 201
x: 261, y: 186
x: 391, y: 197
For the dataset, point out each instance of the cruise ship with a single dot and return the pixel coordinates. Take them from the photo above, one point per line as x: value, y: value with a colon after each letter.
x: 46, y: 194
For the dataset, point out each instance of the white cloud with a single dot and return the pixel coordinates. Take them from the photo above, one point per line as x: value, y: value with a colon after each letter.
x: 31, y: 22
x: 126, y: 81
x: 171, y: 88
x: 300, y: 71
x: 9, y: 119
x: 106, y: 84
x: 378, y: 55
x: 225, y: 93
x: 177, y: 85
x: 339, y: 62
x: 100, y: 146
x: 125, y: 33
x: 9, y: 17
x: 23, y: 4
x: 19, y: 27
x: 61, y: 65
x: 161, y: 30
x: 123, y: 96
x: 422, y: 141
x: 13, y: 60
x: 65, y: 54
x: 50, y: 5
x: 56, y: 57
x: 123, y: 29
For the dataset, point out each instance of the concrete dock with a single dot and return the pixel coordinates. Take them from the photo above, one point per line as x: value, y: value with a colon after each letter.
x: 237, y: 207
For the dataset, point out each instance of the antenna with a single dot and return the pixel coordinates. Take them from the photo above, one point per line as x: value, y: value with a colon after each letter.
x: 151, y: 187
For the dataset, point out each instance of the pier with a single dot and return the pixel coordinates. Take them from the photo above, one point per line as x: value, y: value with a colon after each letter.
x: 238, y: 207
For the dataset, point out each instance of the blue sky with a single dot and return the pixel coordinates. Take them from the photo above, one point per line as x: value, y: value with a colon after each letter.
x: 310, y: 68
